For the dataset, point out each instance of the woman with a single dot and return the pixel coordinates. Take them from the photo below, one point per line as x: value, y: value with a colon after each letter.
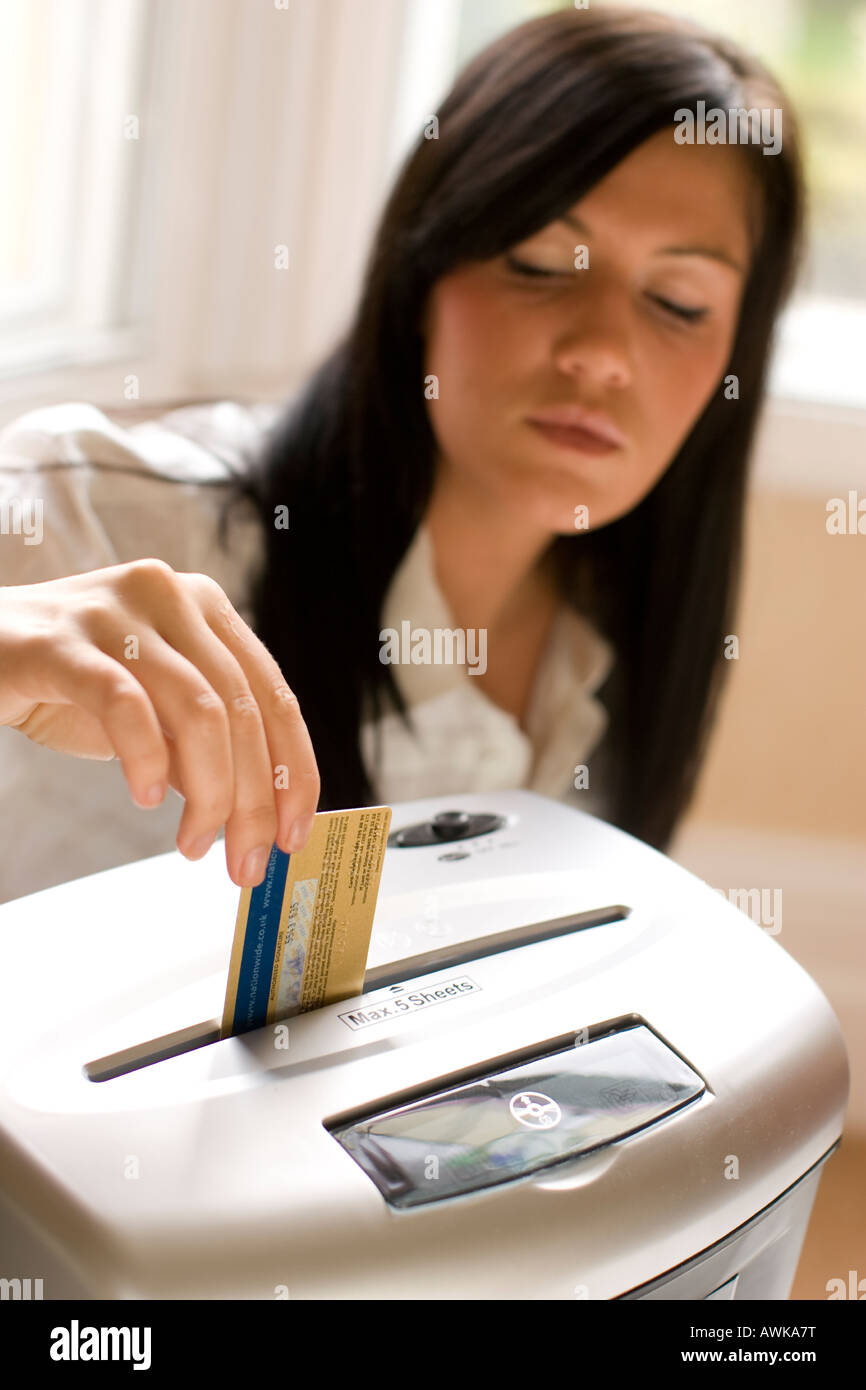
x: 548, y: 397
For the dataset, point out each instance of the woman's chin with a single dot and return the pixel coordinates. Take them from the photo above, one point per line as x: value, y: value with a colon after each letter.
x: 562, y: 504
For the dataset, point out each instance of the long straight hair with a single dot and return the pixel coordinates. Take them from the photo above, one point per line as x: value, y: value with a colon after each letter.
x: 530, y: 125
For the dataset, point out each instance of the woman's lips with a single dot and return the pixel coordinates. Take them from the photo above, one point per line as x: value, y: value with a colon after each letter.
x: 573, y: 437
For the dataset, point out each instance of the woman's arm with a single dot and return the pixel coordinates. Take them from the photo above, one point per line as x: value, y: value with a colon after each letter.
x: 137, y: 659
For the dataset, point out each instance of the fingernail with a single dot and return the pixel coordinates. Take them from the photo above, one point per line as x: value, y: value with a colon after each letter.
x: 299, y: 832
x: 201, y: 845
x: 254, y: 865
x: 154, y: 794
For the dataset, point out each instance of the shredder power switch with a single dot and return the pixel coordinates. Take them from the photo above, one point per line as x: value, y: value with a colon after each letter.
x: 444, y: 828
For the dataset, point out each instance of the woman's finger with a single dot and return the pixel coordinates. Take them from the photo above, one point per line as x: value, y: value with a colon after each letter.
x: 251, y: 827
x: 295, y: 777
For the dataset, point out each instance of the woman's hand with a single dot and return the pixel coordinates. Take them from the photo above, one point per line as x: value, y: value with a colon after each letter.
x: 156, y: 668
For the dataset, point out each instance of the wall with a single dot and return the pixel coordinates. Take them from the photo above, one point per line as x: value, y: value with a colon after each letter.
x: 781, y: 802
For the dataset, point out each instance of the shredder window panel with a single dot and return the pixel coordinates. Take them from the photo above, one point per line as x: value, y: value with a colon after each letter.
x: 521, y: 1118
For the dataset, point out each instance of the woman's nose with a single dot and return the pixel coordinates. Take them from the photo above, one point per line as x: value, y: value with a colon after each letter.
x: 593, y: 338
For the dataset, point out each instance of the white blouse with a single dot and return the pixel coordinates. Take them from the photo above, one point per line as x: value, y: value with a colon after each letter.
x: 103, y: 494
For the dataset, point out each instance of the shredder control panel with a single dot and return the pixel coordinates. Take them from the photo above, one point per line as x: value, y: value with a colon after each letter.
x: 520, y: 1119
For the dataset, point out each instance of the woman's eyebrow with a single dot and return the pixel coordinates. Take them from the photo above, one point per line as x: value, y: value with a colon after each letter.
x: 713, y: 253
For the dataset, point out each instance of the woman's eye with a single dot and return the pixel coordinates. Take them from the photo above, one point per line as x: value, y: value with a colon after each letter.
x: 681, y: 311
x: 524, y: 268
x: 537, y: 272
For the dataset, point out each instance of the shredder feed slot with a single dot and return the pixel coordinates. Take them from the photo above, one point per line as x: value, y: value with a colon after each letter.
x: 146, y: 1054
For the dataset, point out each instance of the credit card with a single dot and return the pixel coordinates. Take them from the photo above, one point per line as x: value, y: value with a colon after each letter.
x: 302, y: 935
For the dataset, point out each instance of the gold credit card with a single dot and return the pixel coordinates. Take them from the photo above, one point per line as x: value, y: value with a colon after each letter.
x: 303, y: 933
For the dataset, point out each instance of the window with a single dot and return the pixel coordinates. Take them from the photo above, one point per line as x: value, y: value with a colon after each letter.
x: 70, y: 75
x: 189, y: 188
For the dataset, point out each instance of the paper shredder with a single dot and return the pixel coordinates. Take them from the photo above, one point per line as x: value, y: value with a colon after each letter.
x: 575, y: 1071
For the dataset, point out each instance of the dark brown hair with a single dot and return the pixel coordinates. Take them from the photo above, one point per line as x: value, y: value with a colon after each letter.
x: 530, y: 125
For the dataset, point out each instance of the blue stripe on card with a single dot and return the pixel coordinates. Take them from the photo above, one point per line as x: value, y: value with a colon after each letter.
x: 260, y: 944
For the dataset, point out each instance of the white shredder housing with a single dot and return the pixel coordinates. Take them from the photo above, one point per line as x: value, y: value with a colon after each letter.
x: 575, y: 1072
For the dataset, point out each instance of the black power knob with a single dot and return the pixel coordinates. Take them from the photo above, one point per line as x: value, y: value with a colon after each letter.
x: 450, y: 825
x: 444, y: 828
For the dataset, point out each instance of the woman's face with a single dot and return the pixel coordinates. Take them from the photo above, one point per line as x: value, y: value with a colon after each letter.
x: 638, y: 340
